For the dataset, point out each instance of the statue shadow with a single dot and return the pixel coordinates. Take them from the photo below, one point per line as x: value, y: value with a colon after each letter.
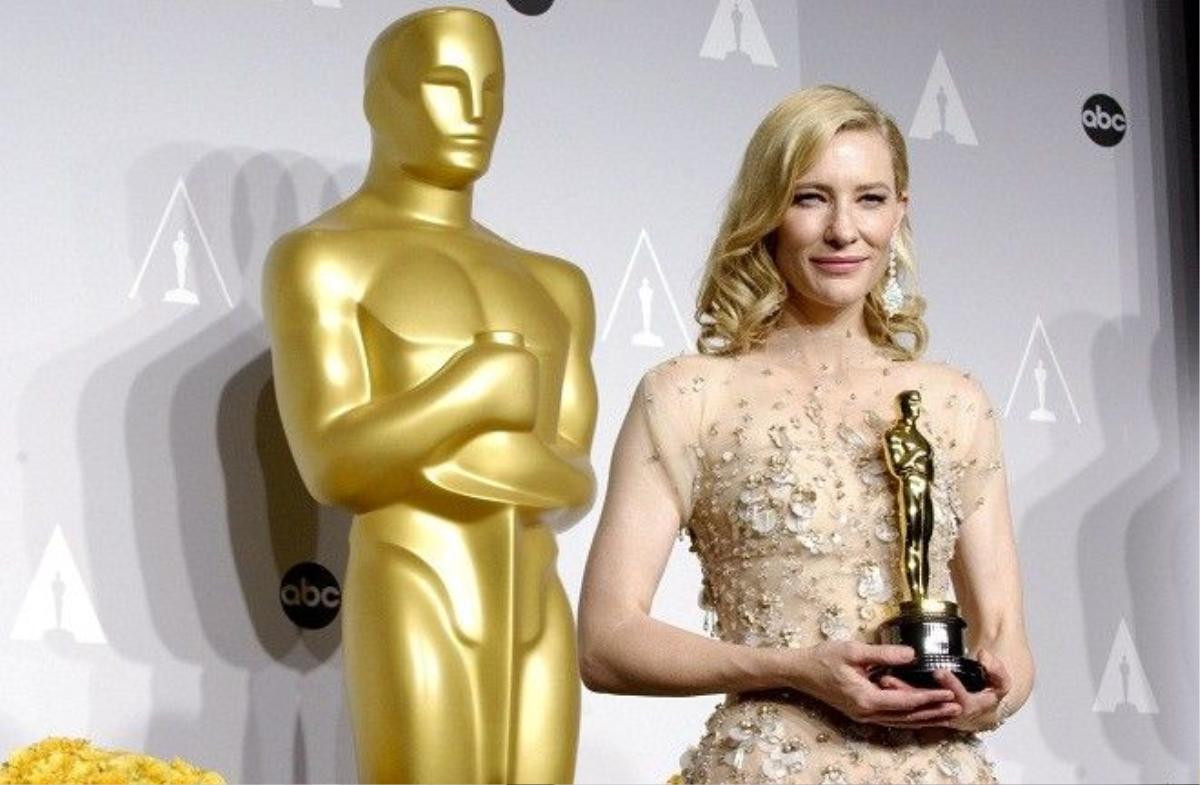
x: 209, y: 499
x: 1129, y: 545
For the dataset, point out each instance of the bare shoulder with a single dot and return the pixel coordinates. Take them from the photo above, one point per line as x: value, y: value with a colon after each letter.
x: 691, y: 371
x: 954, y: 387
x: 942, y: 376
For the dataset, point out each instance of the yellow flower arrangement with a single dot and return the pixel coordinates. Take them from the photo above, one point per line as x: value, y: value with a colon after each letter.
x: 77, y: 761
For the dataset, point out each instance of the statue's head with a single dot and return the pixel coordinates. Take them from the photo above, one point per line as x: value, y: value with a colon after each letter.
x: 910, y: 403
x: 435, y: 94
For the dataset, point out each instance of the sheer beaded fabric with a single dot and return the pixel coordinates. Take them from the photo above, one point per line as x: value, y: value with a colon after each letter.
x: 775, y: 458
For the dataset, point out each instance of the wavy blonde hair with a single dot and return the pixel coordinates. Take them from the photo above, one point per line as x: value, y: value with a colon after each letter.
x: 742, y: 293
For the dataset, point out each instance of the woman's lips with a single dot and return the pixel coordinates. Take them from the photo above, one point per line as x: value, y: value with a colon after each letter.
x: 835, y: 265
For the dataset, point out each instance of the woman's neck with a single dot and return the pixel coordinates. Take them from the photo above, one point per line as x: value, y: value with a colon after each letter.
x: 846, y: 324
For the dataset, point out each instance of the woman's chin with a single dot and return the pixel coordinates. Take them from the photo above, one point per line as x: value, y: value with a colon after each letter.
x: 840, y: 297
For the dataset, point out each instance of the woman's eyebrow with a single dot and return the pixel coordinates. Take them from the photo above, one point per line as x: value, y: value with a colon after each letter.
x: 828, y: 189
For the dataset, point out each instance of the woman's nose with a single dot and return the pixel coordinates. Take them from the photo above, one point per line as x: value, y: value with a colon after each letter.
x: 841, y: 229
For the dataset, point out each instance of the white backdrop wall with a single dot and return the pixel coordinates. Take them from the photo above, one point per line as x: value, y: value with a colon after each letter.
x: 148, y: 503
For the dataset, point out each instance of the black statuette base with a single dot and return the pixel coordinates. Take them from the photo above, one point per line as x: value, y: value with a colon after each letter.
x: 938, y: 642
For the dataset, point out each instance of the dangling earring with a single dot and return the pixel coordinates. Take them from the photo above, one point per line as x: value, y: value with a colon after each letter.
x: 893, y: 296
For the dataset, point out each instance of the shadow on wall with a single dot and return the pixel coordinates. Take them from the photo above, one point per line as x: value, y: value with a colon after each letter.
x: 1129, y: 548
x: 186, y: 469
x: 1126, y: 543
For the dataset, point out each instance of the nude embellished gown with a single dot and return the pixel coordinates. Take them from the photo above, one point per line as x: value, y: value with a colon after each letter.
x: 775, y: 460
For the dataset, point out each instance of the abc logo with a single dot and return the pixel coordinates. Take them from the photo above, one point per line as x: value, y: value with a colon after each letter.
x: 1103, y: 120
x: 531, y: 7
x: 310, y: 595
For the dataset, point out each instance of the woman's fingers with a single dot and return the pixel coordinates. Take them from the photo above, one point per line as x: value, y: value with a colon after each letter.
x: 958, y: 702
x: 892, y: 683
x: 896, y: 700
x: 951, y: 682
x: 972, y: 704
x: 880, y: 654
x: 997, y: 673
x: 919, y: 718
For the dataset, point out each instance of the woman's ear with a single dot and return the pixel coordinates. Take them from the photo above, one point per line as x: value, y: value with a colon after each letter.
x: 902, y: 201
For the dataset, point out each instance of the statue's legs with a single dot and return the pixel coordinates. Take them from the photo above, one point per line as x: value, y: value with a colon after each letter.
x: 926, y: 538
x: 917, y: 534
x: 459, y: 650
x: 546, y: 700
x: 408, y: 677
x: 912, y: 547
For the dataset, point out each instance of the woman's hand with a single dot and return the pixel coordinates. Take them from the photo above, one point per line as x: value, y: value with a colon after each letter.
x: 976, y: 710
x: 835, y: 672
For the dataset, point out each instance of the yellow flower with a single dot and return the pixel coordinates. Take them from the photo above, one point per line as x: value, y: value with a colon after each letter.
x: 66, y: 760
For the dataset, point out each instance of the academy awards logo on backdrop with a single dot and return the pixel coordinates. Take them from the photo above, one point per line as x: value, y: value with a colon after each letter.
x: 1103, y: 120
x: 643, y: 315
x: 310, y: 595
x: 179, y: 285
x: 941, y: 115
x: 736, y: 30
x: 1124, y: 688
x: 1040, y: 409
x: 531, y: 7
x: 57, y: 605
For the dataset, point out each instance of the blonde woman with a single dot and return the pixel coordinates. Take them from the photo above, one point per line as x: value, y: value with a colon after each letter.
x: 766, y: 449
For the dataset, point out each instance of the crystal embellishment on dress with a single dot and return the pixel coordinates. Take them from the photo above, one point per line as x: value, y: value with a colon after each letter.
x: 786, y: 759
x: 802, y: 506
x: 832, y: 624
x: 871, y: 584
x: 833, y: 775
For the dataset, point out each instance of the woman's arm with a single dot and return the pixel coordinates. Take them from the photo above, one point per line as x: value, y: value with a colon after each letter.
x: 621, y: 648
x: 987, y: 582
x: 985, y: 568
x: 638, y: 655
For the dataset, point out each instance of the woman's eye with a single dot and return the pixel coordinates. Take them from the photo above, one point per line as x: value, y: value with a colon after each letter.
x: 812, y: 198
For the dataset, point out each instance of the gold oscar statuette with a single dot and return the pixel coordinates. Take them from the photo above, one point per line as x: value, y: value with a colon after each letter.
x: 931, y: 627
x: 436, y: 380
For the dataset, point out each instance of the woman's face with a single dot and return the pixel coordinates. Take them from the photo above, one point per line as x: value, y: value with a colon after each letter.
x: 832, y: 246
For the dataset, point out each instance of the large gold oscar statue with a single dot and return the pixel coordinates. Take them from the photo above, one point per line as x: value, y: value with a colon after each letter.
x: 436, y: 380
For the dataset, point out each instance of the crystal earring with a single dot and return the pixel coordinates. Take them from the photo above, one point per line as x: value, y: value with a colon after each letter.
x: 893, y: 296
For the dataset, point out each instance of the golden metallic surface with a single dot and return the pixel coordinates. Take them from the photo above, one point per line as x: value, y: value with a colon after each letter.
x: 436, y: 380
x: 931, y: 627
x: 909, y: 458
x: 928, y: 607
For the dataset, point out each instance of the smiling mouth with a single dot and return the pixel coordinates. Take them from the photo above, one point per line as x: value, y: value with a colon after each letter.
x: 835, y: 265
